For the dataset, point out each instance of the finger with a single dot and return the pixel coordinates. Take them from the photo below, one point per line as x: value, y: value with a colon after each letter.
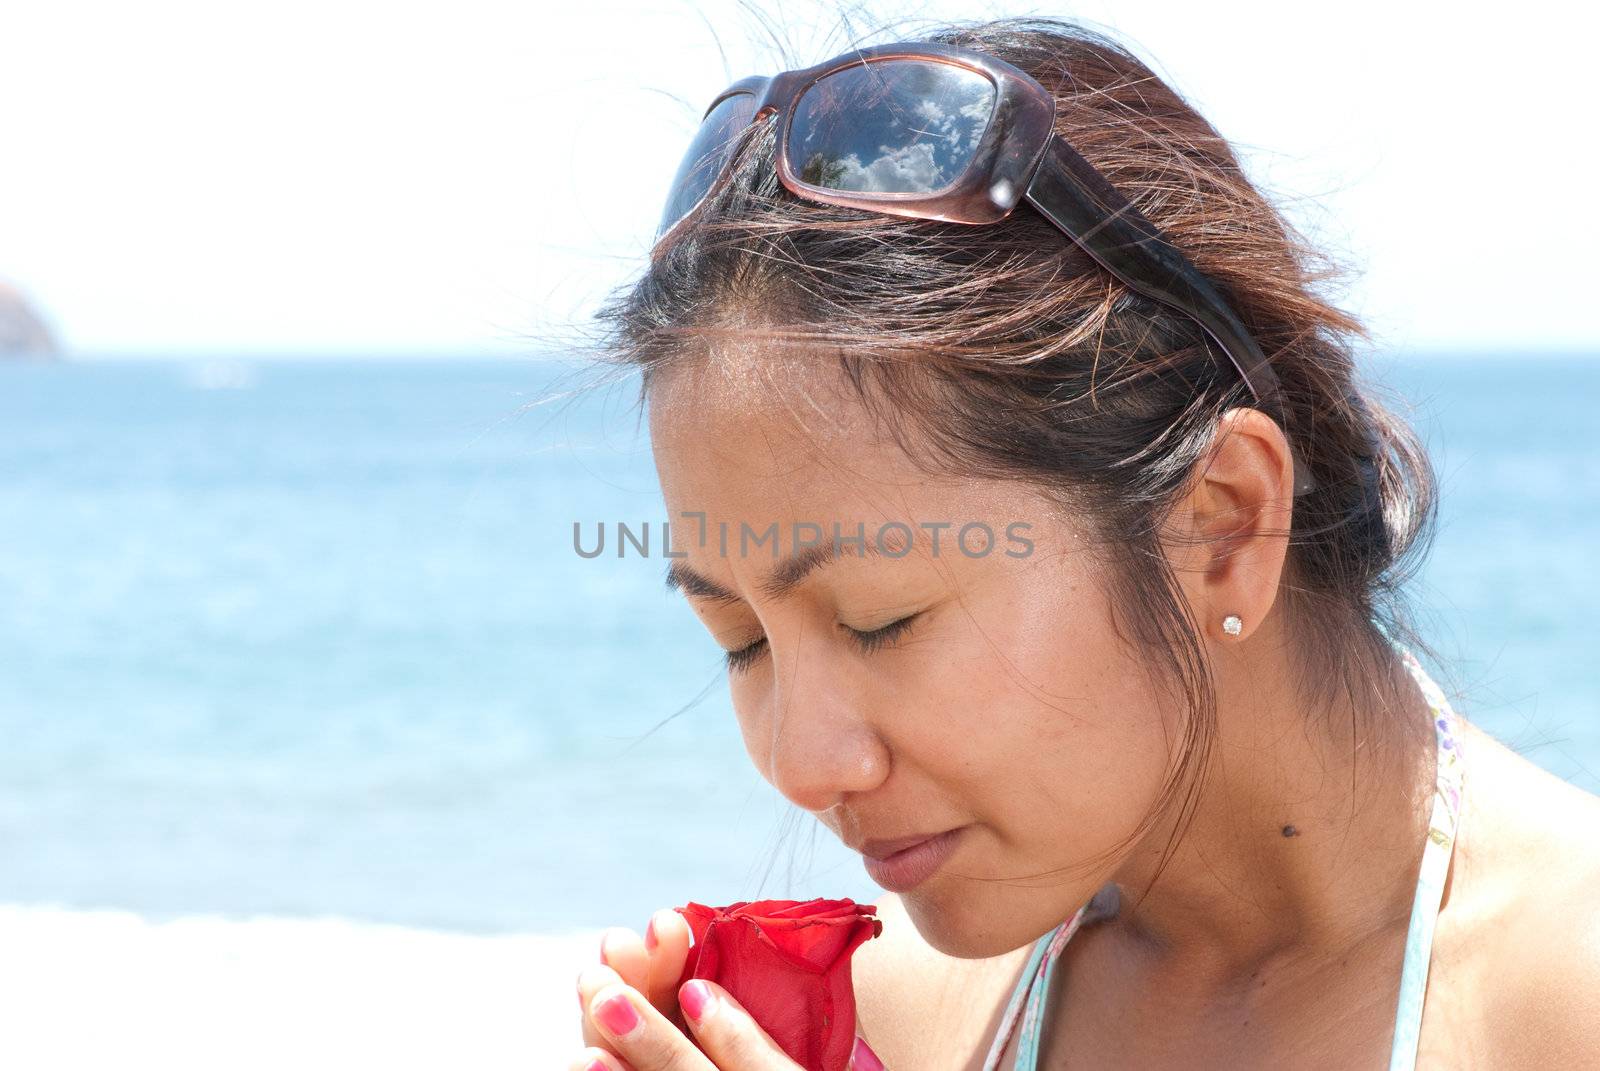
x: 666, y: 939
x: 592, y: 1059
x: 591, y: 980
x: 862, y: 1058
x: 633, y: 1028
x: 726, y: 1031
x: 623, y: 951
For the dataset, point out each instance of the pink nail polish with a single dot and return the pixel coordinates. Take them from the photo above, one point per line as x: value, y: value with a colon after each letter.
x: 862, y: 1058
x: 693, y: 998
x: 616, y: 1015
x: 597, y: 1065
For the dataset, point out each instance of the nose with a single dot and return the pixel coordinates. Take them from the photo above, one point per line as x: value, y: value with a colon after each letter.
x: 820, y: 741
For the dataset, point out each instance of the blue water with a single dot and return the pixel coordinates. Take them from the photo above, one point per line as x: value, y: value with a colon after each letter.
x: 318, y: 643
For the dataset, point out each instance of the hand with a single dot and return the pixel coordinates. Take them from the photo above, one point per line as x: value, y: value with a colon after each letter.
x: 634, y: 1015
x: 633, y: 1035
x: 651, y: 967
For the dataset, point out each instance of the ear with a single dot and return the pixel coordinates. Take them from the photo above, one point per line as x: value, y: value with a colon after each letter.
x: 1229, y: 536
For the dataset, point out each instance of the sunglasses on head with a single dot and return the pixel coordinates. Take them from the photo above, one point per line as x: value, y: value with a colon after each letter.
x: 928, y: 131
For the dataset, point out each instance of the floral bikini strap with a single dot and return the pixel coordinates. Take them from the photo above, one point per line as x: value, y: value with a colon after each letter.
x: 1436, y: 851
x: 1031, y: 985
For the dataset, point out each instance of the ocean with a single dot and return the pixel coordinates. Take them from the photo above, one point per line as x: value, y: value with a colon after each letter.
x: 307, y: 639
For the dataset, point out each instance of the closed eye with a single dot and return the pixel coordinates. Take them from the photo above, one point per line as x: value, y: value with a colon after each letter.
x: 867, y: 642
x: 881, y: 637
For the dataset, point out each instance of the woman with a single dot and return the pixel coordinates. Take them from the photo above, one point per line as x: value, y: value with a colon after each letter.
x: 1181, y: 793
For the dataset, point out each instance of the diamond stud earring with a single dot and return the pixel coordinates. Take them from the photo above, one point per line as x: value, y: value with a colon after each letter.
x: 1232, y: 625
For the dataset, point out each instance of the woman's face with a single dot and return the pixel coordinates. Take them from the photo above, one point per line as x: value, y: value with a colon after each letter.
x: 1005, y: 705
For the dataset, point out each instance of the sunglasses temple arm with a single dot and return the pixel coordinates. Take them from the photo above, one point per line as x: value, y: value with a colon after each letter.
x: 1079, y: 200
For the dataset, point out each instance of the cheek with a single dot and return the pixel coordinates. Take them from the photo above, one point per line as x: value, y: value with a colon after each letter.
x: 1089, y: 768
x: 1049, y: 730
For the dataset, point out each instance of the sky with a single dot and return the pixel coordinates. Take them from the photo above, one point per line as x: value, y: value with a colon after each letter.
x: 192, y: 178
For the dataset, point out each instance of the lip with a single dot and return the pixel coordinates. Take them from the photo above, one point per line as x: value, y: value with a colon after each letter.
x: 911, y: 864
x: 883, y: 849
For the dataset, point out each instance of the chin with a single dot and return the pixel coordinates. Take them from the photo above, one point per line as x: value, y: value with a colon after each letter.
x: 958, y: 920
x: 970, y: 919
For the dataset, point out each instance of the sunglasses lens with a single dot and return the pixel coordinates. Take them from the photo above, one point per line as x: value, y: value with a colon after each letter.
x: 890, y: 126
x: 703, y: 161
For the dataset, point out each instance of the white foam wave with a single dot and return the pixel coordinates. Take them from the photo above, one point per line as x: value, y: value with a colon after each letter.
x: 99, y: 989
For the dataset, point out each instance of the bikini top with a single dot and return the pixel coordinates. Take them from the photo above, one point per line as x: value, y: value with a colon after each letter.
x: 1028, y: 999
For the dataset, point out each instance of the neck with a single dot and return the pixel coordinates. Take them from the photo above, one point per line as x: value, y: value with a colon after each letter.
x: 1305, y: 839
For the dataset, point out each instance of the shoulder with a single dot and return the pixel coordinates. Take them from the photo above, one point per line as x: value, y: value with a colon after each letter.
x: 1538, y: 874
x: 914, y: 1004
x: 1546, y: 1008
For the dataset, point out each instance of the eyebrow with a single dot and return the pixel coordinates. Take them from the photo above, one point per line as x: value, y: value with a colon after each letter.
x: 779, y: 584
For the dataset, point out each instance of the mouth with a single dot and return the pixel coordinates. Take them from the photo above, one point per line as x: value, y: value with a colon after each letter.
x: 906, y: 862
x: 884, y: 848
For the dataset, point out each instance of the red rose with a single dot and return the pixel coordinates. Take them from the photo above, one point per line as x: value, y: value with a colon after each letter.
x: 788, y: 963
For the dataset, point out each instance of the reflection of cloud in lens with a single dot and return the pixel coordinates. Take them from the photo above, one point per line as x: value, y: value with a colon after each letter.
x: 977, y: 116
x: 962, y: 128
x: 898, y: 170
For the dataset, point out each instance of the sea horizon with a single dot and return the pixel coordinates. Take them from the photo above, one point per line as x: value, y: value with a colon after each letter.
x: 314, y: 643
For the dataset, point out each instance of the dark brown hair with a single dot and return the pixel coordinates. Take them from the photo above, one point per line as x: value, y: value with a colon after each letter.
x: 1002, y: 351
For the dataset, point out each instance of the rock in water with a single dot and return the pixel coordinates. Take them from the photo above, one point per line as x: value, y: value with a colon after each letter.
x: 22, y: 332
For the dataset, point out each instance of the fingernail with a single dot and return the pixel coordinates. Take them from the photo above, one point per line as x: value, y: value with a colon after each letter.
x: 862, y: 1058
x: 597, y: 1065
x: 650, y: 936
x: 616, y: 1014
x: 693, y: 998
